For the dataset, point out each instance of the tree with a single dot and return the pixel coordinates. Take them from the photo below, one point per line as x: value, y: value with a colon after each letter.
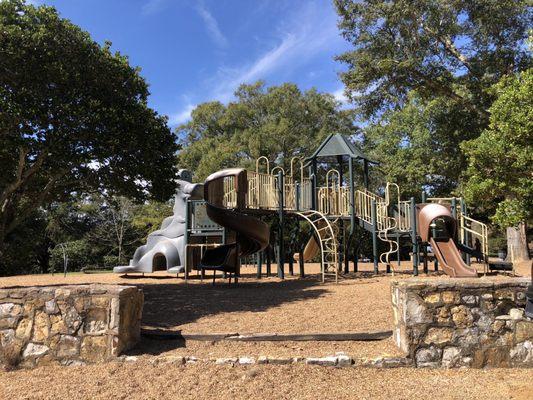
x: 500, y: 161
x: 278, y: 122
x: 74, y: 119
x: 455, y: 49
x: 421, y: 72
x: 418, y: 145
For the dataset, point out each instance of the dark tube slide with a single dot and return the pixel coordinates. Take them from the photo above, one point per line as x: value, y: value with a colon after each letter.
x: 450, y: 258
x: 253, y: 235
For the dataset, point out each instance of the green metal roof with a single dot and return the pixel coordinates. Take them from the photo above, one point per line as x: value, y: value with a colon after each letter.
x: 339, y: 145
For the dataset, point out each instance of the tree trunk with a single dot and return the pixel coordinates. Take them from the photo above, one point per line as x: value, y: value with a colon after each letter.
x: 517, y: 246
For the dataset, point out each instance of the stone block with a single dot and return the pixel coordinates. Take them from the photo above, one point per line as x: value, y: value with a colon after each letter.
x: 516, y: 313
x: 470, y: 300
x: 94, y: 349
x: 428, y: 357
x: 451, y: 357
x: 279, y: 360
x: 416, y: 311
x: 68, y: 346
x: 10, y: 310
x: 492, y: 357
x: 34, y: 350
x: 324, y: 361
x: 24, y: 328
x: 524, y: 331
x: 262, y: 360
x: 438, y: 335
x: 432, y: 298
x: 95, y: 321
x: 522, y: 354
x: 461, y: 316
x: 451, y: 297
x: 41, y: 327
x: 50, y: 307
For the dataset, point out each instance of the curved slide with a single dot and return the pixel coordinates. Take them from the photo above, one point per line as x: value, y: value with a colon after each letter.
x: 311, y: 250
x: 450, y: 259
x: 253, y: 235
x: 443, y: 246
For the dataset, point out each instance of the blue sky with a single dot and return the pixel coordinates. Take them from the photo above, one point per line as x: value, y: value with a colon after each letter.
x: 192, y: 51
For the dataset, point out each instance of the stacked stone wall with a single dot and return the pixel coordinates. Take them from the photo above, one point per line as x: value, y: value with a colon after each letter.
x: 463, y: 322
x: 75, y: 324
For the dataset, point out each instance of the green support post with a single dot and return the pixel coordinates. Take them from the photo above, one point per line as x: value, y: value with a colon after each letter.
x: 281, y: 261
x: 186, y: 236
x: 301, y: 264
x: 298, y: 196
x: 424, y: 197
x: 414, y: 237
x: 466, y: 240
x: 365, y: 173
x: 259, y: 264
x: 375, y: 236
x: 352, y: 211
x: 398, y: 251
x: 268, y: 261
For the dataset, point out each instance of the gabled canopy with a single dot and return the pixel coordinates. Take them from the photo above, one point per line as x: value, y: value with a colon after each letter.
x: 338, y: 145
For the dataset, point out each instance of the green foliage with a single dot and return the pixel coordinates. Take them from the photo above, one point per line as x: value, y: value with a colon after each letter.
x: 100, y: 232
x: 446, y: 48
x: 419, y: 145
x: 148, y: 217
x: 279, y: 121
x: 500, y: 160
x: 422, y: 72
x: 79, y: 254
x: 73, y: 118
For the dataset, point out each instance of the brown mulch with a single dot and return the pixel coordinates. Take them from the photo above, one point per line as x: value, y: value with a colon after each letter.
x: 142, y: 380
x: 257, y: 306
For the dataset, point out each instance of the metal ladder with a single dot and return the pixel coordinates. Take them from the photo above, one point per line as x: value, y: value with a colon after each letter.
x: 387, y: 225
x: 327, y: 241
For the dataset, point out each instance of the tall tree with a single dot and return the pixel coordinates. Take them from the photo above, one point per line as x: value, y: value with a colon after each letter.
x: 73, y: 118
x: 278, y: 122
x: 451, y: 48
x: 418, y: 145
x: 500, y: 170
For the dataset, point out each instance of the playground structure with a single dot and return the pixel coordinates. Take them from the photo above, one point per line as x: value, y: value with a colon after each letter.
x: 327, y: 198
x: 217, y: 223
x: 188, y: 228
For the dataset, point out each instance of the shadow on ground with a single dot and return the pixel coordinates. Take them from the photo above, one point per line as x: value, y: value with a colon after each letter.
x: 171, y: 305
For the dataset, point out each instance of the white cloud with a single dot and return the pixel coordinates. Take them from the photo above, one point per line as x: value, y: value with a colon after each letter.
x: 340, y: 95
x: 301, y: 36
x: 181, y: 116
x: 211, y: 25
x: 153, y: 6
x: 305, y: 35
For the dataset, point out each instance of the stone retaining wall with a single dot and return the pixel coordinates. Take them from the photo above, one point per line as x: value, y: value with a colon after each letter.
x: 463, y: 322
x: 68, y: 324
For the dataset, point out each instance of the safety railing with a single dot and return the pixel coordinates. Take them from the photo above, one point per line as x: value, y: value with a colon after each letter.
x: 230, y: 194
x: 262, y: 191
x: 467, y: 225
x: 363, y: 204
x: 475, y: 228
